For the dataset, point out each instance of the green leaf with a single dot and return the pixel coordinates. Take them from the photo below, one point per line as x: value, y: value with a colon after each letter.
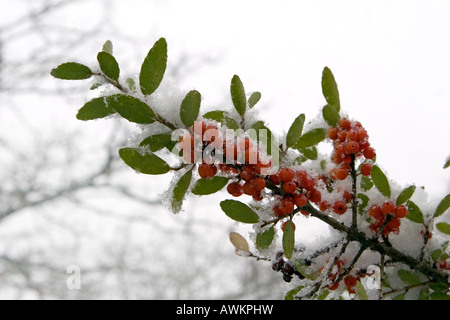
x: 264, y: 136
x: 330, y: 115
x: 443, y: 227
x: 440, y: 296
x: 380, y: 181
x: 291, y: 293
x: 264, y: 239
x: 131, y: 84
x: 223, y: 118
x: 295, y: 131
x: 158, y: 141
x: 131, y: 108
x: 288, y: 239
x: 254, y: 98
x: 323, y: 294
x: 209, y: 186
x: 153, y: 67
x: 408, y: 277
x: 436, y: 254
x: 442, y: 206
x: 361, y: 291
x: 108, y: 47
x: 310, y: 138
x: 239, y: 211
x: 95, y: 109
x: 190, y: 108
x: 399, y: 297
x: 180, y: 190
x: 447, y: 164
x: 146, y: 163
x: 405, y: 195
x: 414, y: 212
x: 366, y: 183
x: 71, y: 71
x: 364, y: 201
x: 439, y: 286
x: 309, y: 153
x: 238, y: 95
x: 330, y: 89
x: 108, y: 65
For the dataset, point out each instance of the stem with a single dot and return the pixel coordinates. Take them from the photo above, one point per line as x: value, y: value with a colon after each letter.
x: 354, y: 193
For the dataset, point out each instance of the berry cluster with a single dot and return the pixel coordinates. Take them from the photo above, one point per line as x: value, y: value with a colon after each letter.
x: 285, y: 267
x: 387, y: 216
x: 349, y: 138
x: 349, y: 280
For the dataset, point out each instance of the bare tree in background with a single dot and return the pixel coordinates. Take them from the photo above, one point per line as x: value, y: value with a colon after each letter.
x: 59, y: 208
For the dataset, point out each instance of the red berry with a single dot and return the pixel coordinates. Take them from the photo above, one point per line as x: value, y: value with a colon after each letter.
x: 375, y: 212
x: 324, y: 206
x: 286, y: 174
x: 361, y: 135
x: 235, y: 189
x: 344, y: 123
x: 350, y: 282
x: 258, y: 184
x: 387, y: 207
x: 393, y: 225
x: 333, y: 133
x: 315, y: 196
x: 342, y: 135
x: 287, y: 206
x: 348, y: 197
x: 341, y: 174
x: 207, y: 170
x: 366, y: 168
x: 248, y: 188
x: 401, y: 211
x: 369, y: 153
x: 275, y: 179
x: 247, y: 173
x: 340, y: 207
x: 352, y: 146
x: 300, y: 200
x: 289, y: 187
x: 352, y: 135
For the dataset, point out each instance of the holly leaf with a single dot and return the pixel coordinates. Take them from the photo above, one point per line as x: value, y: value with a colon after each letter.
x: 71, y: 71
x: 414, y: 212
x: 380, y: 181
x: 108, y: 47
x: 131, y: 108
x: 264, y: 239
x: 288, y: 239
x: 330, y: 115
x: 180, y: 190
x: 295, y: 131
x: 253, y: 99
x: 310, y: 138
x: 95, y: 109
x: 190, y: 108
x: 405, y: 194
x: 239, y: 211
x: 108, y: 65
x: 442, y: 206
x: 223, y: 118
x: 408, y: 277
x: 329, y: 89
x: 238, y: 95
x: 158, y: 141
x: 443, y: 227
x: 361, y: 291
x: 147, y: 163
x: 153, y: 67
x: 209, y: 186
